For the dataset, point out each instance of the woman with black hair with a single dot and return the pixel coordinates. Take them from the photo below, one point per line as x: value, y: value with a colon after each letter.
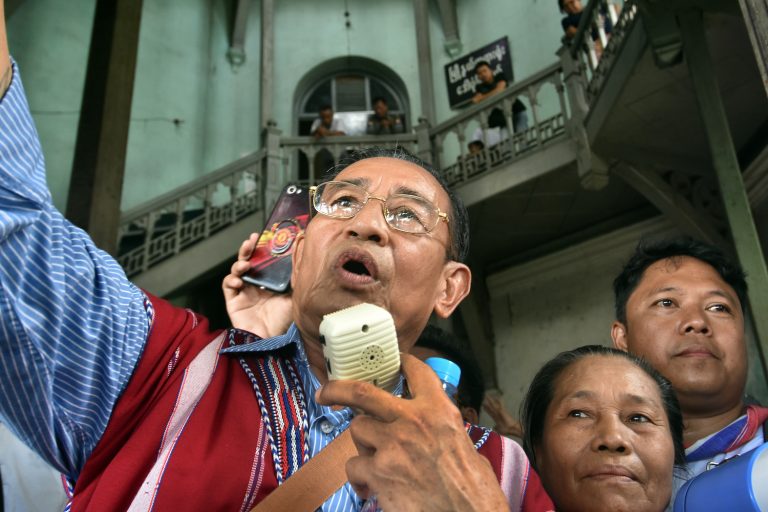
x: 604, y: 431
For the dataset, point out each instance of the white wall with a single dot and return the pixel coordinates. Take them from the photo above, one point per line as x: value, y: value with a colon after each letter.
x: 565, y: 300
x: 555, y: 303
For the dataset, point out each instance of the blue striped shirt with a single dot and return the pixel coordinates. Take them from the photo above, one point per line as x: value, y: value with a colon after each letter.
x: 72, y: 326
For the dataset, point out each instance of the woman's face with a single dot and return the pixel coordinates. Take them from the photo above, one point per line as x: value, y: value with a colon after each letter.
x: 606, y: 443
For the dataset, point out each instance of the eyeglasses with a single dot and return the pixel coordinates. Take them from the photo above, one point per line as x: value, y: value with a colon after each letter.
x: 403, y: 212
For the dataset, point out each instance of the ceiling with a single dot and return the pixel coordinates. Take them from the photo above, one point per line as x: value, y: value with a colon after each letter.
x: 655, y: 125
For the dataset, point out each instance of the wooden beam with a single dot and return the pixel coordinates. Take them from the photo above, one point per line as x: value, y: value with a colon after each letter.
x: 756, y: 18
x: 95, y: 191
x: 672, y: 204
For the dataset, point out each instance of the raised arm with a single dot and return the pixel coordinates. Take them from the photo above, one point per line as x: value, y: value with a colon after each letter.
x: 72, y: 327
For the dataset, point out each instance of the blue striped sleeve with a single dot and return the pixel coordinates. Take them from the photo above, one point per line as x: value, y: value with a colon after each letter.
x: 72, y: 327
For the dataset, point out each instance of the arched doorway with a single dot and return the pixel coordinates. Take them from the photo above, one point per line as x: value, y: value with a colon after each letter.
x: 349, y: 85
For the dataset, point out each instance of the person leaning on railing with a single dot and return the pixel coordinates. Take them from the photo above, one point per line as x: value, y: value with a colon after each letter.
x: 573, y: 10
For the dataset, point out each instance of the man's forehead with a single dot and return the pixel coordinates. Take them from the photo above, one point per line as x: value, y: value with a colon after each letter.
x: 392, y: 175
x: 681, y: 271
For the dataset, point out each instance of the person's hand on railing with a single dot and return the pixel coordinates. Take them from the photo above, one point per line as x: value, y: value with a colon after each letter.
x: 249, y: 307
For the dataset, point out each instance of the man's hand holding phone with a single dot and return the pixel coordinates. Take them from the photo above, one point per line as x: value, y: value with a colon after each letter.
x: 250, y: 307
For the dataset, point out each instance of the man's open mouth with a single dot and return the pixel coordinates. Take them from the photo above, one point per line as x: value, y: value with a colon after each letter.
x: 358, y: 266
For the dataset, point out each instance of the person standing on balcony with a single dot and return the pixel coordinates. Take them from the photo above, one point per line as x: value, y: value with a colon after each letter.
x: 490, y: 84
x: 326, y: 124
x: 380, y: 122
x: 572, y: 10
x: 475, y: 147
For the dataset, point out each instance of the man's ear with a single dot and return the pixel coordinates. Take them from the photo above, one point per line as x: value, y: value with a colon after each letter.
x: 619, y: 336
x: 298, y: 253
x: 455, y: 285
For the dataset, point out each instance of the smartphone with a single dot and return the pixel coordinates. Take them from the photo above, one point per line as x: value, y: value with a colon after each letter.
x: 271, y: 260
x: 360, y: 343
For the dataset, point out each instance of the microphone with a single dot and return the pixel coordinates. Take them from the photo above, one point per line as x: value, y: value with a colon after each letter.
x: 360, y: 343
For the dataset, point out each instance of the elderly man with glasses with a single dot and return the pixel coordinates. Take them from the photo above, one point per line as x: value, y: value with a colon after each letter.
x: 389, y: 232
x: 142, y: 406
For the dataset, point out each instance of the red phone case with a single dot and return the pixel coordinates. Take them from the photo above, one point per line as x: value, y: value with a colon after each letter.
x: 271, y: 261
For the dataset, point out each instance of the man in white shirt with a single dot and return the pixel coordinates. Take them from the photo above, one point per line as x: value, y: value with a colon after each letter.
x: 326, y: 125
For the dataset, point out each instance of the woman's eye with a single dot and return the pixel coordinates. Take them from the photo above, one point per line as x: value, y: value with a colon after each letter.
x: 577, y: 414
x: 665, y: 303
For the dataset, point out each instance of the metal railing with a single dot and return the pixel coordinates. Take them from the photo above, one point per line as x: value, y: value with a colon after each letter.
x: 508, y: 145
x: 319, y: 152
x: 174, y: 221
x: 602, y: 30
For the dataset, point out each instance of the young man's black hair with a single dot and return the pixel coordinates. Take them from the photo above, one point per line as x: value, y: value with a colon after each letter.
x: 649, y: 252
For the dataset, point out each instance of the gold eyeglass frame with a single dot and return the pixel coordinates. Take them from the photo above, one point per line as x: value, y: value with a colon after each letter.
x: 441, y: 215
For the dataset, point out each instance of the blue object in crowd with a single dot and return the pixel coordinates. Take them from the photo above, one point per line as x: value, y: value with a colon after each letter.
x: 449, y: 374
x: 740, y: 483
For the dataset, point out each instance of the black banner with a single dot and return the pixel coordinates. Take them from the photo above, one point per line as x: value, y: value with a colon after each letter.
x: 460, y: 74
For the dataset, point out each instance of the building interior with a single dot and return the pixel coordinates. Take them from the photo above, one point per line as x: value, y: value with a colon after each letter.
x: 170, y: 127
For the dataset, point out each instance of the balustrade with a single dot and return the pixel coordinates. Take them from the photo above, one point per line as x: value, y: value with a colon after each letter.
x: 544, y: 98
x: 171, y: 223
x: 604, y: 26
